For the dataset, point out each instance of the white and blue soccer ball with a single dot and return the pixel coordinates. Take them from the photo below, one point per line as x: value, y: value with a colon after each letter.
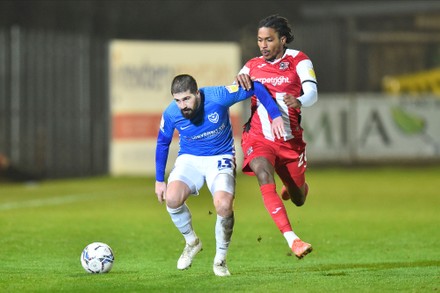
x: 97, y: 258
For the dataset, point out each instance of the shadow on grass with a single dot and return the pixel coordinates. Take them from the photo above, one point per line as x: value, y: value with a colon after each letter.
x: 328, y: 270
x: 343, y: 269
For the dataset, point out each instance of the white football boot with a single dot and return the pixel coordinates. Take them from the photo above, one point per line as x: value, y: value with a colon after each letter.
x: 221, y: 269
x: 188, y: 254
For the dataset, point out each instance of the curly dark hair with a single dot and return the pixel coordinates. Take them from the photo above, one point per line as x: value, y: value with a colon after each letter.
x: 279, y: 24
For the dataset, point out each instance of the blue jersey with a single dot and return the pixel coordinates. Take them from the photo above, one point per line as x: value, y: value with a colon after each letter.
x: 210, y: 132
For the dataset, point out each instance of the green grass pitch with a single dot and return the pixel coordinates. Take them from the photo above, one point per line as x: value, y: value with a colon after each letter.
x: 373, y: 230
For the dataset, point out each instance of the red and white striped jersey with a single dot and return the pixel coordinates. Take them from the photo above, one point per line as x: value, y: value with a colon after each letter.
x: 284, y: 75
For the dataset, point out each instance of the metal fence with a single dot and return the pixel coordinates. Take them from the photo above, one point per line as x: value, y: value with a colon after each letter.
x: 54, y: 109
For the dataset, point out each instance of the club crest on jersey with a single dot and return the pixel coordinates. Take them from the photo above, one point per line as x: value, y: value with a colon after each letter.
x: 249, y: 151
x: 284, y: 65
x: 213, y: 117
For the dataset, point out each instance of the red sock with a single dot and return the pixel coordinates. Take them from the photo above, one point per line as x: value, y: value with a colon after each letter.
x: 275, y: 207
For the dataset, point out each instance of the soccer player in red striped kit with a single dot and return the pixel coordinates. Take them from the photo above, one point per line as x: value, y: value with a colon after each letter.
x: 289, y: 76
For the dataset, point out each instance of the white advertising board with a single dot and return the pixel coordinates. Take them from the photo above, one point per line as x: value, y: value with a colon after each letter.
x: 372, y: 128
x: 140, y: 77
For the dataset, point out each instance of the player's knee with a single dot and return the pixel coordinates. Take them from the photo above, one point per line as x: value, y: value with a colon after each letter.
x: 177, y: 193
x: 224, y: 210
x: 173, y: 201
x: 298, y: 198
x: 223, y: 203
x: 263, y: 170
x: 174, y: 204
x: 264, y: 177
x: 298, y: 202
x: 223, y: 189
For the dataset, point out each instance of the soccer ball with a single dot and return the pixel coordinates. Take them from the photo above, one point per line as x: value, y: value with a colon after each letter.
x: 97, y: 258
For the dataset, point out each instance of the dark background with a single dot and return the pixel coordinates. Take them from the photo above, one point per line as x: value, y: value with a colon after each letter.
x: 54, y: 101
x: 332, y: 33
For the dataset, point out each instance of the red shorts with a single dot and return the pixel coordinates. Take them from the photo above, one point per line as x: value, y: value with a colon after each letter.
x: 287, y: 157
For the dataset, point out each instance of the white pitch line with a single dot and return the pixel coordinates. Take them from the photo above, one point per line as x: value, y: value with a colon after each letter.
x: 42, y: 202
x: 59, y: 200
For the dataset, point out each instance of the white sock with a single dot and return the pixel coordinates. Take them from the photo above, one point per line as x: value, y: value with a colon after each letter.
x: 181, y: 218
x: 223, y: 234
x: 290, y: 237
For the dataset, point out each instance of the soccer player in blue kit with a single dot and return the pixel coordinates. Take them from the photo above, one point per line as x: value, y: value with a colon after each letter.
x: 201, y: 116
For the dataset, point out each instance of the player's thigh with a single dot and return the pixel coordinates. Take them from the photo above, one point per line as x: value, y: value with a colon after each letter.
x: 220, y: 173
x: 291, y: 175
x: 291, y: 167
x: 257, y: 150
x: 187, y: 170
